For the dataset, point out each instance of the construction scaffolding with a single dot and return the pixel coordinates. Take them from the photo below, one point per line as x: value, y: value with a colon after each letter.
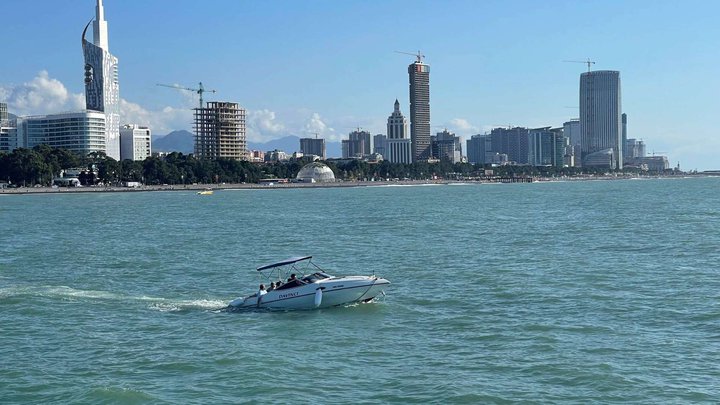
x: 220, y: 131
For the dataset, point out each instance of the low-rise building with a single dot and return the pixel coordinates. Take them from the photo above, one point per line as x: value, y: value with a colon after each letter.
x: 276, y: 156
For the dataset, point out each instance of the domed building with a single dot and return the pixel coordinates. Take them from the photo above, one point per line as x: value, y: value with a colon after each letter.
x: 315, y: 172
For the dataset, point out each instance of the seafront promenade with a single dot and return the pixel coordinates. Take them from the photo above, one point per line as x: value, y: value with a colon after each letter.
x: 278, y: 186
x: 222, y: 186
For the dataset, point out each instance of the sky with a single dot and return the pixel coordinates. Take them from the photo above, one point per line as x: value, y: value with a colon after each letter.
x: 329, y: 67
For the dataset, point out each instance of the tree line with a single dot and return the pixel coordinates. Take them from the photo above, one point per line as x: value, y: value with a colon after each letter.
x: 41, y: 164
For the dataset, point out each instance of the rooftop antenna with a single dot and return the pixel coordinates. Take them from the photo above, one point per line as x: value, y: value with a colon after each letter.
x: 588, y: 62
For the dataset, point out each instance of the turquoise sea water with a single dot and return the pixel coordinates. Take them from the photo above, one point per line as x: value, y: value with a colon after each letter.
x: 605, y: 291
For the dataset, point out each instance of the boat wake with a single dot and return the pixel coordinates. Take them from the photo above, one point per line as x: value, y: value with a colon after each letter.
x: 69, y: 294
x: 189, y: 305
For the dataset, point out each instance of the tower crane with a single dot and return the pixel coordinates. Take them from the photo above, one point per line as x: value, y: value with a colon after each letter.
x: 200, y: 90
x: 418, y: 55
x: 587, y: 62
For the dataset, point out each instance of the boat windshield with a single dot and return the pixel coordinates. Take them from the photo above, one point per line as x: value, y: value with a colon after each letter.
x: 315, y: 277
x: 290, y: 284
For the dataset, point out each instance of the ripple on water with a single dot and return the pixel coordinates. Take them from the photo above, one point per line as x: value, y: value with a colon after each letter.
x: 512, y: 293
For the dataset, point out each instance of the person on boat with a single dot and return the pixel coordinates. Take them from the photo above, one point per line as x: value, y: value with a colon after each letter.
x: 262, y: 290
x: 292, y: 278
x: 272, y: 286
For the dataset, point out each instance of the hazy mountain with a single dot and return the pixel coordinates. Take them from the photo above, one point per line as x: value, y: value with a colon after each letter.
x: 175, y: 141
x: 287, y: 144
x: 183, y: 141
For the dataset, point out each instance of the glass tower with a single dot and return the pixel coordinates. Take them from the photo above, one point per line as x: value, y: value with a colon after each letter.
x: 601, y: 114
x: 102, y: 89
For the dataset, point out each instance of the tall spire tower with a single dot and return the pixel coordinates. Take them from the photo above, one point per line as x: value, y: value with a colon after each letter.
x: 399, y: 145
x: 100, y: 33
x: 102, y: 89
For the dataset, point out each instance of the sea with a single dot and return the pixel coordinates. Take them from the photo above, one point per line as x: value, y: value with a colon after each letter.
x: 552, y: 292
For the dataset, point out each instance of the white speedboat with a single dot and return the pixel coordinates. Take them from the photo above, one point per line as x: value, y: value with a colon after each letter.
x: 314, y: 289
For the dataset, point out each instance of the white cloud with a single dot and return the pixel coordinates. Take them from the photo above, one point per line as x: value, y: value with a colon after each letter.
x: 46, y: 95
x: 316, y: 125
x: 160, y: 121
x: 461, y: 126
x: 262, y: 126
x: 41, y: 95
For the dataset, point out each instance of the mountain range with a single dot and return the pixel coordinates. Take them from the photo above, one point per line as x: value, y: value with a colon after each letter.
x: 183, y: 141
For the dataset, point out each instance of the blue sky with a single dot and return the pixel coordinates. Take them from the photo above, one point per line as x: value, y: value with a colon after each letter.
x: 329, y: 66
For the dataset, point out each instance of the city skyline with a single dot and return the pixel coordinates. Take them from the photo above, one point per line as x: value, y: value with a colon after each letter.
x: 484, y: 77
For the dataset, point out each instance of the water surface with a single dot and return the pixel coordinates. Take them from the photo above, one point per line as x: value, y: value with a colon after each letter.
x: 602, y: 291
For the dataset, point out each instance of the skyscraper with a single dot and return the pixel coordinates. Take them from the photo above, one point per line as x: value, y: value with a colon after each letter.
x: 600, y: 115
x: 478, y: 148
x: 420, y: 109
x: 513, y: 142
x: 546, y: 147
x: 102, y: 89
x: 399, y: 145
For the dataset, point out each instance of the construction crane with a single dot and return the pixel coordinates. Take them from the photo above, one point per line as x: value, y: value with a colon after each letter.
x: 418, y: 55
x: 200, y: 90
x: 588, y: 62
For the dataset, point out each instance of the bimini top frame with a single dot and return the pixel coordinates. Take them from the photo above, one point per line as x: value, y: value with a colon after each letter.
x: 285, y: 262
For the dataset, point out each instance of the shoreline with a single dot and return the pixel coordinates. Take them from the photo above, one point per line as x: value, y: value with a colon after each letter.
x: 341, y: 184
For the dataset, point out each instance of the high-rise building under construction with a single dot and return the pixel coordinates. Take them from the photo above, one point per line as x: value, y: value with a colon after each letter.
x: 420, y: 109
x: 220, y: 131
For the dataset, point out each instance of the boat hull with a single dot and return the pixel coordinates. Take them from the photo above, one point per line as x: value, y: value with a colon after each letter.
x: 334, y: 292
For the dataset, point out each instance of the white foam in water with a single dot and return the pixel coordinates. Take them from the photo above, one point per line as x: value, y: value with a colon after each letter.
x: 57, y: 292
x: 161, y: 304
x: 187, y: 305
x: 65, y: 292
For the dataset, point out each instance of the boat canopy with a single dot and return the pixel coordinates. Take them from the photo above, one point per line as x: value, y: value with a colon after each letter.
x: 285, y: 262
